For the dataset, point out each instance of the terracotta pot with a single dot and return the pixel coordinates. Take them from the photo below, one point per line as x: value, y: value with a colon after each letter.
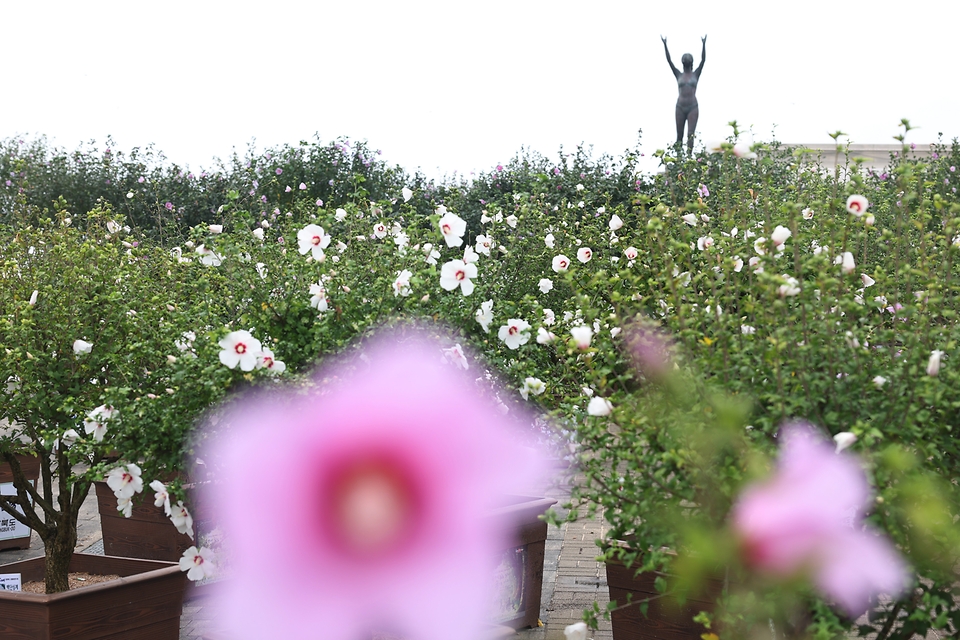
x: 30, y: 465
x: 520, y: 573
x: 145, y: 603
x: 666, y: 618
x: 148, y: 533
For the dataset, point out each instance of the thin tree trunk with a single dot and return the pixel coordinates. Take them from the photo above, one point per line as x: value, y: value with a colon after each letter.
x: 58, y: 551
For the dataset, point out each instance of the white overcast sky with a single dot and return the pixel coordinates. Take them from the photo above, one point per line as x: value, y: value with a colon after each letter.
x: 462, y: 85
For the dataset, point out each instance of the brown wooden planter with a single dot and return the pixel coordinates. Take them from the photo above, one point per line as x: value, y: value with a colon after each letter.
x: 30, y: 465
x: 145, y: 604
x: 522, y: 564
x: 148, y: 533
x: 666, y: 618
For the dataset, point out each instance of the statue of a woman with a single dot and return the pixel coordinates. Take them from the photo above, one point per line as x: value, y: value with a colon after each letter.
x: 687, y: 109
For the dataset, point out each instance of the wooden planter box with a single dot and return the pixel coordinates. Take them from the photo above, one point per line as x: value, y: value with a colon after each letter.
x: 521, y: 568
x: 666, y: 618
x: 148, y: 533
x: 145, y: 604
x: 31, y: 468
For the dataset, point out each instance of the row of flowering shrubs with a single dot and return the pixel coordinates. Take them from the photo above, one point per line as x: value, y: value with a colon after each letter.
x: 668, y: 327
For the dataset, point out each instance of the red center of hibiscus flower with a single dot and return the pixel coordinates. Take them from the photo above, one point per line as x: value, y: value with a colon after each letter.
x: 512, y: 330
x: 445, y: 228
x: 372, y: 507
x: 241, y: 348
x: 315, y: 240
x: 461, y: 275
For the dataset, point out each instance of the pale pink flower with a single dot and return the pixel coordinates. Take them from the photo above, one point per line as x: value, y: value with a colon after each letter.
x: 630, y: 253
x: 515, y: 333
x: 456, y: 356
x: 198, y: 563
x: 857, y: 205
x: 458, y: 273
x: 561, y: 263
x: 704, y: 243
x: 125, y: 481
x: 239, y: 347
x: 312, y: 238
x: 789, y: 288
x: 452, y: 227
x: 401, y: 285
x: 798, y: 521
x: 385, y: 515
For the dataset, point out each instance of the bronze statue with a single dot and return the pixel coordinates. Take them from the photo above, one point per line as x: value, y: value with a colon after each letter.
x: 687, y: 109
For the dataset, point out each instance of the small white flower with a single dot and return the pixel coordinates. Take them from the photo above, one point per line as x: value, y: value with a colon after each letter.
x: 458, y: 273
x: 737, y: 264
x: 879, y: 381
x: 575, y: 631
x: 215, y: 228
x: 484, y: 315
x: 208, y: 256
x: 847, y: 264
x: 239, y: 347
x: 484, y: 244
x: 561, y: 263
x: 584, y: 254
x: 81, y: 347
x: 549, y: 317
x: 759, y: 245
x: 112, y: 226
x: 380, y: 231
x: 545, y: 284
x: 779, y: 236
x: 544, y: 336
x: 33, y: 298
x: 125, y: 481
x: 69, y: 438
x: 452, y: 227
x: 313, y: 239
x: 550, y: 241
x: 582, y: 336
x: 857, y: 205
x: 790, y: 287
x: 933, y: 364
x: 198, y: 563
x: 615, y: 222
x: 599, y: 406
x: 536, y: 386
x: 704, y: 243
x: 469, y: 255
x: 807, y: 213
x: 318, y: 297
x: 515, y: 333
x: 844, y: 439
x: 747, y: 330
x: 512, y: 221
x: 266, y: 360
x: 456, y: 356
x: 340, y: 215
x: 161, y: 498
x: 630, y: 253
x: 869, y: 220
x: 258, y: 233
x: 580, y: 187
x: 181, y: 519
x: 407, y: 194
x: 867, y: 280
x: 690, y: 219
x: 401, y: 285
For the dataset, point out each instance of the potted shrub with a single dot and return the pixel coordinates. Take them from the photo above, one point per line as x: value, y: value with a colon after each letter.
x: 81, y: 323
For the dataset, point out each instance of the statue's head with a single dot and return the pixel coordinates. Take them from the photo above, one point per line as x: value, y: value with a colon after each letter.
x: 687, y: 61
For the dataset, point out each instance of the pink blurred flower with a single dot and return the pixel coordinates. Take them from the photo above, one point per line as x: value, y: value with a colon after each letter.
x: 808, y: 517
x: 383, y: 504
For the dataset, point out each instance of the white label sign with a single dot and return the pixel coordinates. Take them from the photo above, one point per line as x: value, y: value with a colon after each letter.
x: 9, y: 582
x: 10, y: 527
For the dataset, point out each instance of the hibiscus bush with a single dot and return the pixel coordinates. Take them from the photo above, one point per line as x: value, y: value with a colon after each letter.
x: 665, y: 329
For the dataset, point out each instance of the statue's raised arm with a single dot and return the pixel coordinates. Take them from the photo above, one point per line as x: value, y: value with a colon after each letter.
x: 676, y: 72
x: 703, y: 56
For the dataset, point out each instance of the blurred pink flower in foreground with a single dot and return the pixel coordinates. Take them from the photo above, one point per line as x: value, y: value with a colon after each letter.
x: 807, y: 517
x: 383, y: 479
